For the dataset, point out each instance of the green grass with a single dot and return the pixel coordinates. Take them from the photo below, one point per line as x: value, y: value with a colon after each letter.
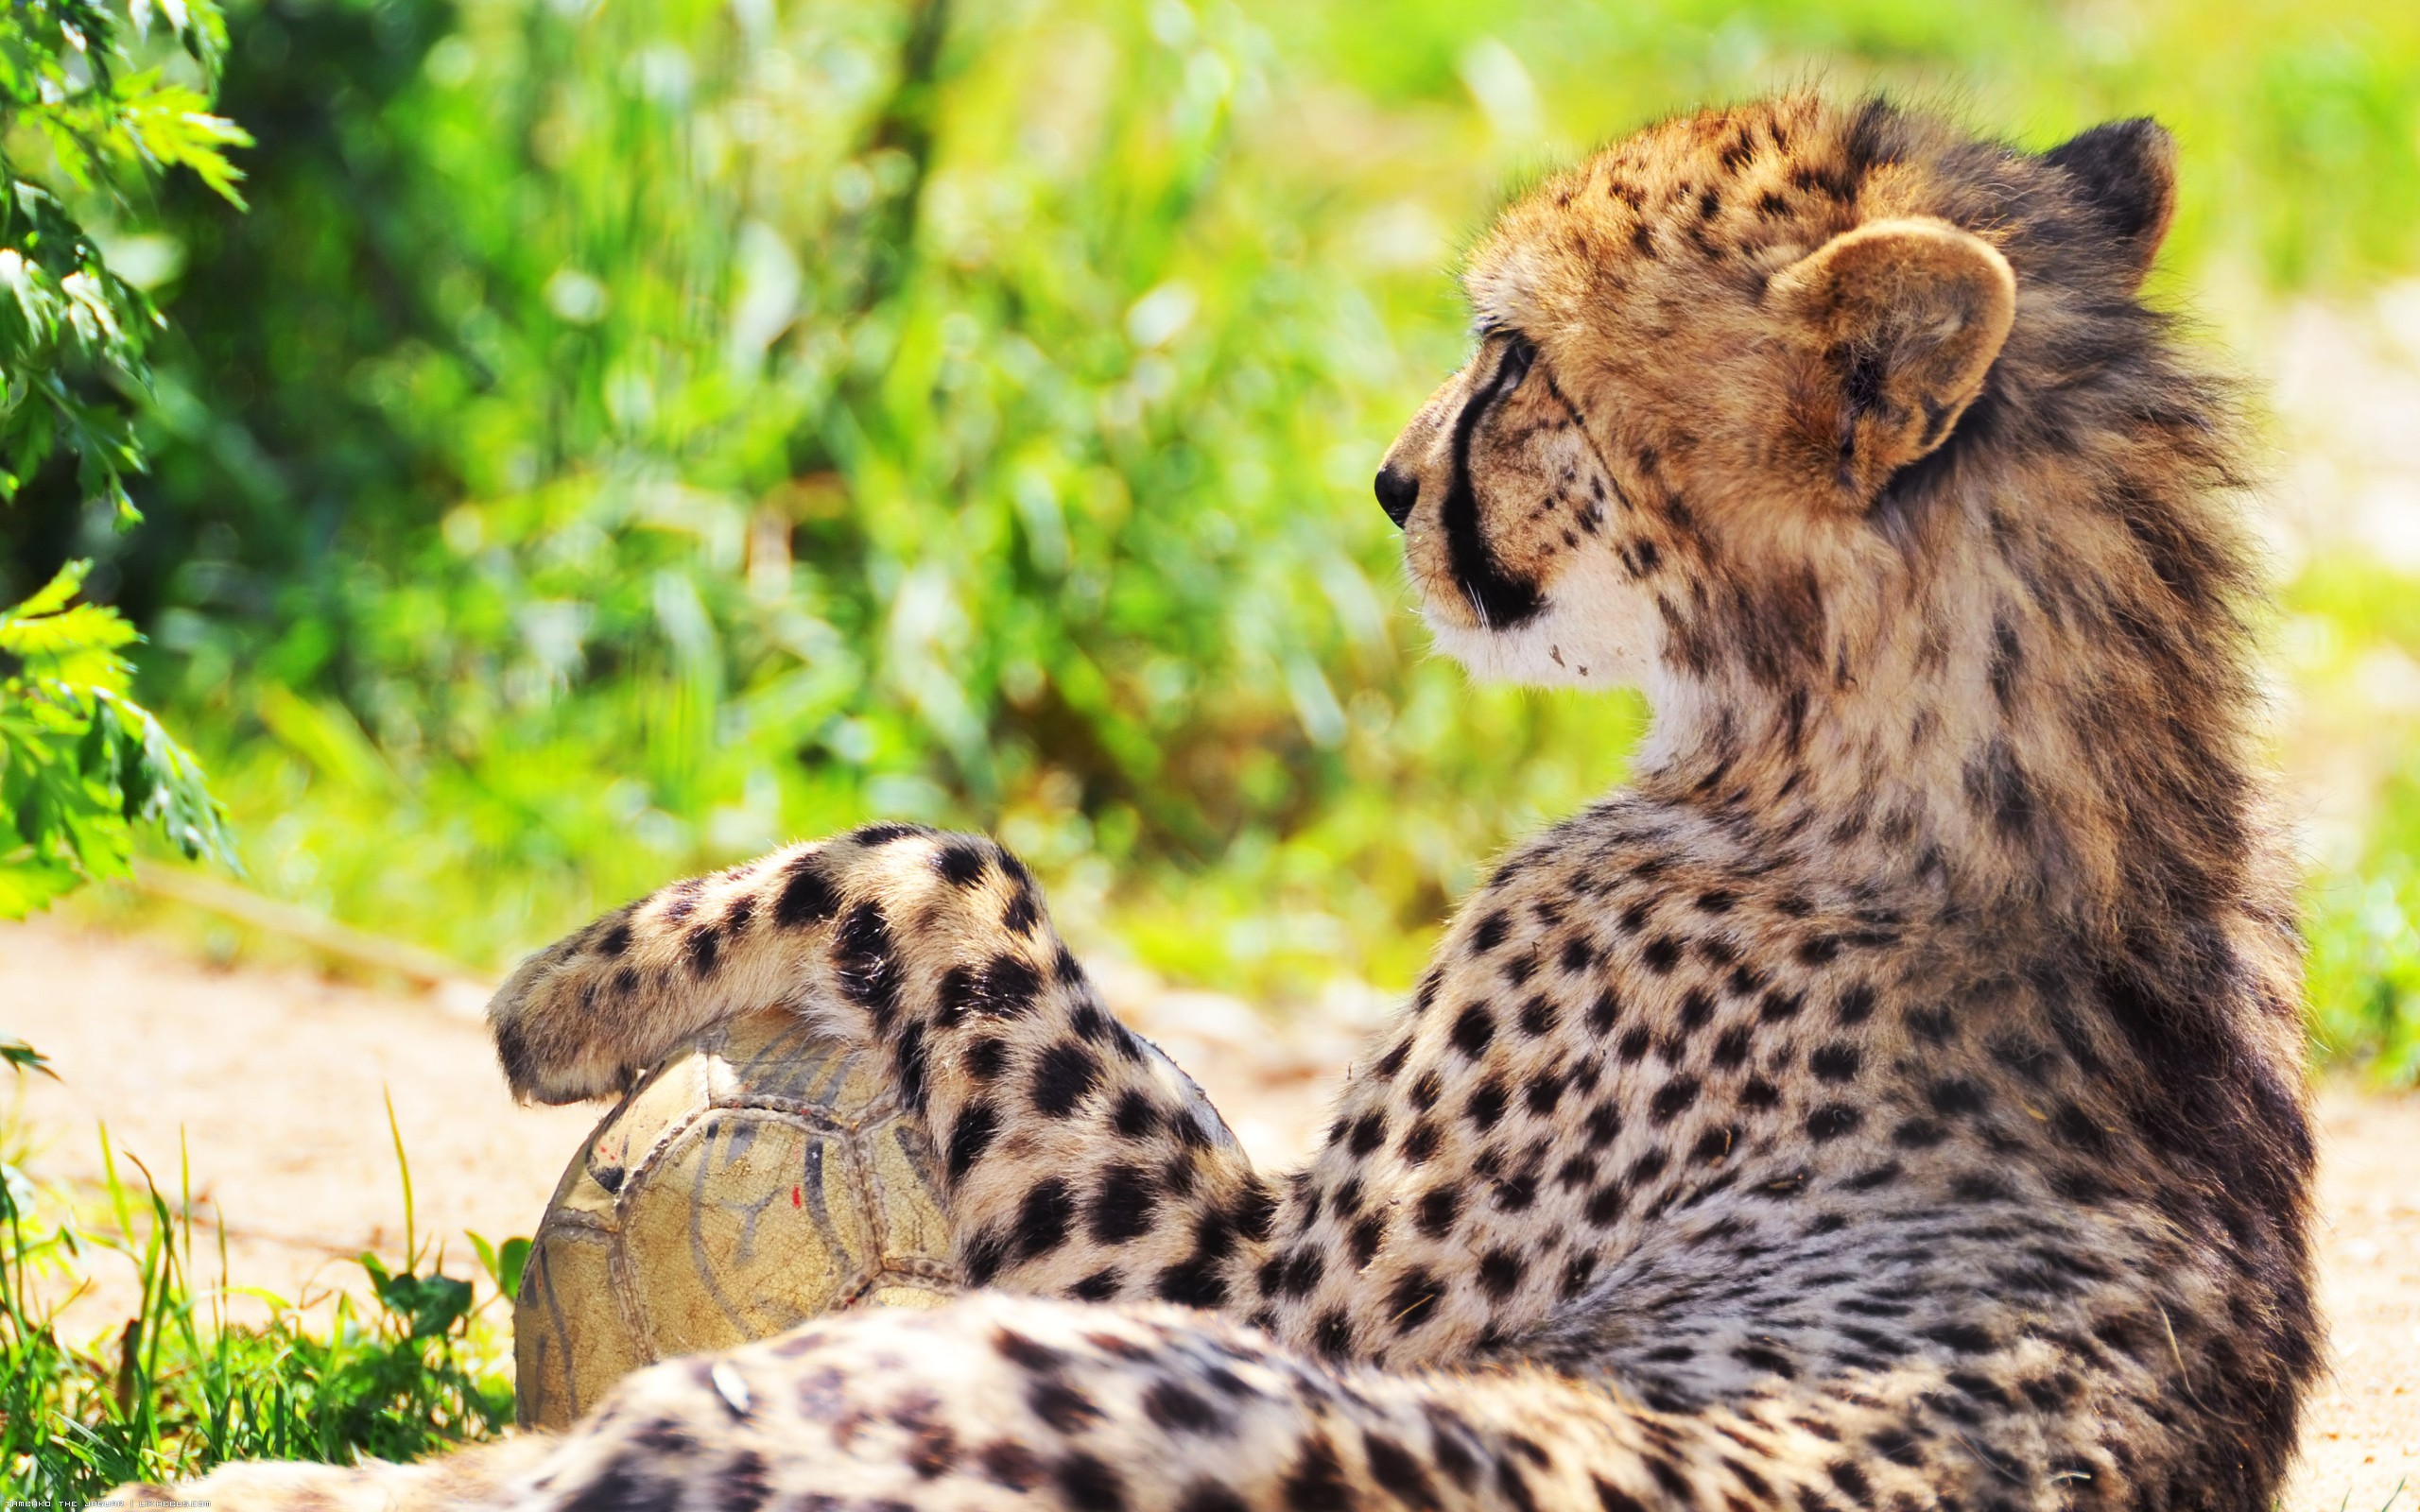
x: 2351, y: 636
x: 410, y: 1370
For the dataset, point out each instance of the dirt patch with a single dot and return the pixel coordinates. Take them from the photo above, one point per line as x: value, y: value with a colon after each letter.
x: 277, y: 1083
x: 2363, y: 1438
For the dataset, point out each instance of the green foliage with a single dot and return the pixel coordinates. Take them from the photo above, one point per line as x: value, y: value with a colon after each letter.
x: 503, y: 1263
x: 84, y: 123
x: 2355, y: 658
x: 23, y: 1057
x: 2298, y: 122
x: 88, y: 117
x: 178, y: 1391
x: 2364, y: 929
x: 81, y: 764
x: 765, y: 435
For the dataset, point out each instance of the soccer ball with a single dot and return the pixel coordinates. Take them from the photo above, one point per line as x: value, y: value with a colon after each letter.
x: 752, y: 1179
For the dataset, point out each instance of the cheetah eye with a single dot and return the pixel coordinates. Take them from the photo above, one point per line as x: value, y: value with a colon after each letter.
x: 1519, y: 352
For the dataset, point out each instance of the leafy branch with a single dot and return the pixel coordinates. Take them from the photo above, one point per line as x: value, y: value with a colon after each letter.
x: 81, y: 763
x: 88, y: 114
x: 97, y: 102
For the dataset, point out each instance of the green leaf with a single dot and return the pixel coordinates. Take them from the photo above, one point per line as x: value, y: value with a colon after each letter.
x: 86, y: 626
x: 504, y: 1263
x: 177, y: 796
x: 172, y: 126
x: 29, y: 884
x: 81, y: 764
x: 53, y: 596
x: 23, y: 1057
x: 515, y: 1258
x: 431, y: 1304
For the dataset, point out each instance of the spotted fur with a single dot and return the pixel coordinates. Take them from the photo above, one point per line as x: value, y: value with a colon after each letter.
x: 1889, y: 1099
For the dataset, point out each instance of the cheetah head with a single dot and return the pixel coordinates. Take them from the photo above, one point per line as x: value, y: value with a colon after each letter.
x: 1717, y: 360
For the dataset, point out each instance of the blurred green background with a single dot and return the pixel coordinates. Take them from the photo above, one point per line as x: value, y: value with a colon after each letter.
x: 622, y: 437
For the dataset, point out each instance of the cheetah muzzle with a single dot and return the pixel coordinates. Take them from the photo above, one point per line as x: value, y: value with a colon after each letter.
x: 1889, y: 1099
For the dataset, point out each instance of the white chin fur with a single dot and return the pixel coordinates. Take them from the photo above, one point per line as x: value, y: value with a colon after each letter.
x: 1554, y: 649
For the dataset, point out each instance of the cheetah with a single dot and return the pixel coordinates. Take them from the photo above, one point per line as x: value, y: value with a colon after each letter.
x: 1890, y: 1098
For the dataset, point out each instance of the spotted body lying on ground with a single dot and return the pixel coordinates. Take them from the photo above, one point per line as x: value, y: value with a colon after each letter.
x: 1890, y: 1099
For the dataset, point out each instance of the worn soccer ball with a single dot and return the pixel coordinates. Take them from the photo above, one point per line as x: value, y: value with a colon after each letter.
x: 752, y: 1179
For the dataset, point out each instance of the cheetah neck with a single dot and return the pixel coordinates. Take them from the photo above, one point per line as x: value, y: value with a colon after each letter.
x: 2057, y: 774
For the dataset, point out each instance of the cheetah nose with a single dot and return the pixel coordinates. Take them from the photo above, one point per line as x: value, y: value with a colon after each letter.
x: 1397, y: 493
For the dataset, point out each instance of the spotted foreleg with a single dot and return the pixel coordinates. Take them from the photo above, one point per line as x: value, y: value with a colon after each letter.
x: 1080, y: 1160
x: 584, y: 1015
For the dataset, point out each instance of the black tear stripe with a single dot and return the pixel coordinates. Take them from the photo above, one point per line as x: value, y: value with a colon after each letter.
x: 1580, y: 427
x: 1502, y: 601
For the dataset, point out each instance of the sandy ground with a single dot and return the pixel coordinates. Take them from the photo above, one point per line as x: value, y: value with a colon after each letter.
x: 277, y: 1083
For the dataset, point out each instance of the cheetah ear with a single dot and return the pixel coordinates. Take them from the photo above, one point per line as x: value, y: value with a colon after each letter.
x: 1905, y: 318
x: 2125, y: 172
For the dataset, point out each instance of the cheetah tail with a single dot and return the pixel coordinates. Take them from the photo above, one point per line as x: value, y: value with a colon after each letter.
x: 475, y: 1476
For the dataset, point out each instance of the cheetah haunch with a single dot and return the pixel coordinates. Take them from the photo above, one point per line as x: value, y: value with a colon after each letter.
x: 1890, y: 1099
